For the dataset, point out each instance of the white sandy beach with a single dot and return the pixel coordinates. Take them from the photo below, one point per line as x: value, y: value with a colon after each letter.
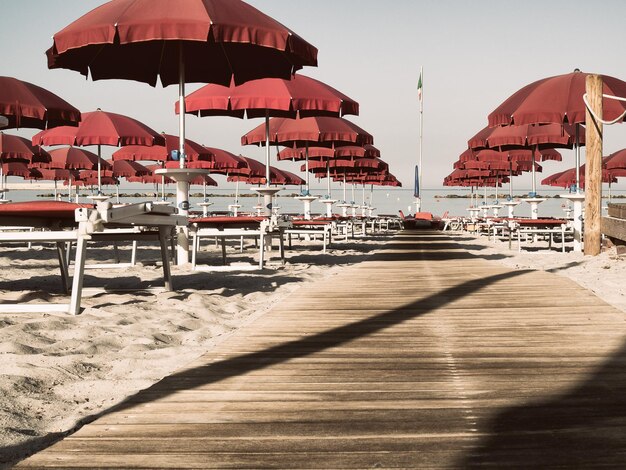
x: 56, y: 370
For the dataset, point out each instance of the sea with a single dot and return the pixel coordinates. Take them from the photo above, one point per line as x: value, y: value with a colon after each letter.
x: 453, y: 201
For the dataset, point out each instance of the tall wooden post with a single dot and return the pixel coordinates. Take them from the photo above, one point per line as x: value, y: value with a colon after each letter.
x: 593, y: 167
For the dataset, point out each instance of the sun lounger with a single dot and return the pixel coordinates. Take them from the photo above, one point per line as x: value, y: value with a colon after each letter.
x: 262, y: 229
x: 531, y: 228
x: 63, y: 222
x: 322, y: 227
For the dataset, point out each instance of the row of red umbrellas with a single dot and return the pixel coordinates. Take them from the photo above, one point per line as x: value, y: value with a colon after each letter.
x: 225, y: 42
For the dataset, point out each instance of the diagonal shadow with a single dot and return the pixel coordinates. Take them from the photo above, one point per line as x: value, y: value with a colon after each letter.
x: 303, y: 347
x: 583, y: 428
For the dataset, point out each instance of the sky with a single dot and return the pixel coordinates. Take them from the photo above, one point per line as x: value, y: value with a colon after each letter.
x: 474, y: 55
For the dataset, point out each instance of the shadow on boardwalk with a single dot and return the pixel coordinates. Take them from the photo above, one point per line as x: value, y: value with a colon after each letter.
x: 602, y: 394
x: 581, y: 429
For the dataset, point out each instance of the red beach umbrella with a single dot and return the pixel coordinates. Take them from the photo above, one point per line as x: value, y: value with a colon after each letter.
x: 289, y: 178
x: 617, y: 160
x: 74, y: 158
x: 161, y: 153
x: 274, y: 97
x: 567, y: 178
x: 315, y: 131
x: 180, y: 41
x: 527, y: 136
x: 222, y: 162
x: 300, y: 96
x: 13, y: 147
x: 100, y: 128
x: 26, y: 105
x: 15, y: 168
x: 319, y: 131
x: 201, y: 40
x: 557, y: 99
x: 349, y: 151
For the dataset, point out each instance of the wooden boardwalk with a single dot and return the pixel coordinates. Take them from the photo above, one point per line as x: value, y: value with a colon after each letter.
x: 423, y: 356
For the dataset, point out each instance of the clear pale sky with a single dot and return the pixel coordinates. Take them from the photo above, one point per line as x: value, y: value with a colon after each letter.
x: 475, y: 54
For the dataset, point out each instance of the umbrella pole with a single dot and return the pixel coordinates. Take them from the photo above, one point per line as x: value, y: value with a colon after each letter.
x: 55, y: 190
x: 496, y: 199
x: 534, y: 190
x: 267, y: 148
x: 306, y: 163
x: 237, y: 192
x: 117, y: 193
x: 181, y: 106
x: 344, y: 187
x: 99, y: 171
x: 510, y: 180
x: 328, y: 178
x: 163, y: 188
x: 577, y: 159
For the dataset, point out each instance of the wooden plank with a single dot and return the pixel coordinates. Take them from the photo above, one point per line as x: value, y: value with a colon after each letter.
x: 420, y: 356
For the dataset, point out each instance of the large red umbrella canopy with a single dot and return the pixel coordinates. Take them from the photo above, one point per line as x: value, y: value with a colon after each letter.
x: 617, y: 160
x: 211, y: 41
x: 527, y: 136
x: 222, y: 162
x: 511, y: 155
x: 13, y: 147
x: 558, y: 100
x: 100, y: 128
x: 289, y: 178
x: 162, y: 153
x: 26, y: 105
x: 375, y: 179
x: 150, y: 177
x: 126, y: 169
x: 317, y: 166
x: 89, y: 178
x: 321, y: 153
x: 204, y: 180
x: 74, y: 158
x: 318, y: 131
x: 53, y: 174
x: 567, y: 178
x: 299, y: 96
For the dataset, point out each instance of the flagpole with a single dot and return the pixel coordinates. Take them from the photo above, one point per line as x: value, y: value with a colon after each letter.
x: 420, y: 86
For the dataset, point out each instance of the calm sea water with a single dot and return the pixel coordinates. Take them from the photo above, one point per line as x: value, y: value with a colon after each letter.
x: 385, y: 200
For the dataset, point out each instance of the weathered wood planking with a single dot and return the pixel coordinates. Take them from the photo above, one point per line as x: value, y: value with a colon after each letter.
x: 420, y: 357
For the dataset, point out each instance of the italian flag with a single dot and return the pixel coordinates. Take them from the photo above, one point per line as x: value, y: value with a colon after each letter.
x: 419, y: 87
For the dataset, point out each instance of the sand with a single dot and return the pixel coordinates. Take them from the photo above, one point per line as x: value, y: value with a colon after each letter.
x: 57, y: 371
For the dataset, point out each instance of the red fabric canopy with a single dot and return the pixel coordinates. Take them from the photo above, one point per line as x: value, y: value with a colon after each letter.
x: 303, y: 96
x: 141, y: 40
x: 558, y: 100
x: 541, y: 136
x: 616, y: 160
x: 28, y: 105
x: 13, y: 147
x: 322, y: 131
x: 73, y: 158
x: 100, y: 128
x: 316, y: 153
